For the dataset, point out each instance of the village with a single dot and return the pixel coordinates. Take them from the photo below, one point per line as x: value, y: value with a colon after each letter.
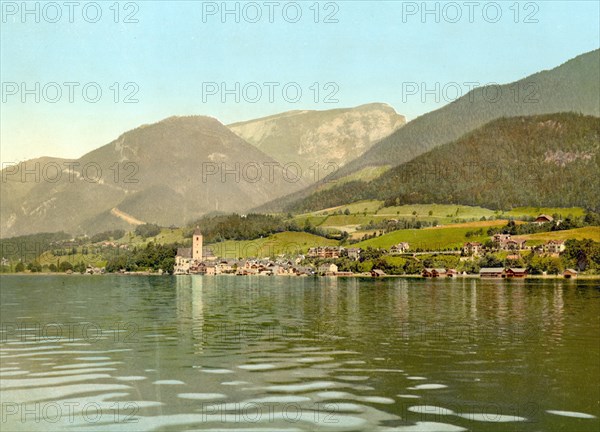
x: 200, y: 260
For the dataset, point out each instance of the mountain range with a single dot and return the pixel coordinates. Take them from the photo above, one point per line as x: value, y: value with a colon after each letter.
x: 180, y: 168
x: 571, y: 87
x: 173, y: 171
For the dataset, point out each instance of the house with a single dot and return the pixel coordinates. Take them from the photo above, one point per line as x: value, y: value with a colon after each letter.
x: 491, y: 272
x: 328, y: 269
x: 324, y: 252
x: 514, y: 244
x: 541, y: 219
x: 472, y: 248
x: 377, y: 273
x: 399, y: 248
x: 344, y: 273
x: 210, y: 270
x: 570, y: 273
x: 451, y: 273
x: 500, y: 238
x: 506, y: 242
x: 354, y: 253
x: 434, y: 272
x: 554, y: 246
x: 183, y: 261
x: 515, y: 273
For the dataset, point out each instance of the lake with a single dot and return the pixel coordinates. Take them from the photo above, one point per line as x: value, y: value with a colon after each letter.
x: 134, y: 353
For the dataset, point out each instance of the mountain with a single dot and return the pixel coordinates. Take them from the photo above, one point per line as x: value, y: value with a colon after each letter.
x: 169, y: 172
x: 551, y: 160
x: 313, y: 139
x: 573, y: 86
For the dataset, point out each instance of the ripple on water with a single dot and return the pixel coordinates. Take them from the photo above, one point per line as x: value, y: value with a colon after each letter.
x: 48, y: 382
x: 71, y: 372
x: 431, y: 409
x: 168, y: 382
x: 257, y: 367
x: 279, y: 399
x: 202, y: 396
x: 92, y: 358
x: 571, y: 414
x: 428, y: 387
x: 217, y: 371
x: 425, y: 427
x: 131, y: 378
x: 491, y: 417
x: 298, y: 388
x: 234, y: 383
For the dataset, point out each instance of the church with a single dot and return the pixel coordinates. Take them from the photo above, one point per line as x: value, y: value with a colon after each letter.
x: 188, y: 258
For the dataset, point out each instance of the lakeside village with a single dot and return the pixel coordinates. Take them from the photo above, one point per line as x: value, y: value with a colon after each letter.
x: 200, y: 260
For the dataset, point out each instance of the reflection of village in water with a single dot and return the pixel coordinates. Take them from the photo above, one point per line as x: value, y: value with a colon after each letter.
x: 497, y: 312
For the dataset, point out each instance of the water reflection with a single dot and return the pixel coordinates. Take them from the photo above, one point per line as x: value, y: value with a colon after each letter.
x: 193, y: 353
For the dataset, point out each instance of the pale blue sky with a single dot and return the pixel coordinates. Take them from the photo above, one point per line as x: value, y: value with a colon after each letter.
x: 369, y: 53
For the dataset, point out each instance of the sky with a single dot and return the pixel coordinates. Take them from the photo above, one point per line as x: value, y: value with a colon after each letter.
x: 76, y: 76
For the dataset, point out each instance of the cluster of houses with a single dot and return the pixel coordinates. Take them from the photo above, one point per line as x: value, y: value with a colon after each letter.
x: 199, y: 260
x: 489, y: 272
x: 504, y: 242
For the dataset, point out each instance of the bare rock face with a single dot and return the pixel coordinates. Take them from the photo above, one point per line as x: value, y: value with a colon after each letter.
x: 319, y: 142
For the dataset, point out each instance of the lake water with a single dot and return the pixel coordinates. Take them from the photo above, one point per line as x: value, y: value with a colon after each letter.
x: 133, y: 353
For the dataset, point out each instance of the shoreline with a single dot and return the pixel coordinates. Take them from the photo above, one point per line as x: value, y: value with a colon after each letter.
x: 364, y: 276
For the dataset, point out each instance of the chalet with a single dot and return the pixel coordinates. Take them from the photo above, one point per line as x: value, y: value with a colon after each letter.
x: 554, y: 246
x: 434, y: 272
x: 344, y: 273
x: 472, y: 248
x: 515, y: 273
x: 354, y: 253
x: 570, y: 274
x: 377, y: 273
x: 328, y: 269
x: 491, y: 272
x: 500, y: 238
x: 400, y: 248
x: 542, y: 219
x: 514, y: 244
x: 451, y: 273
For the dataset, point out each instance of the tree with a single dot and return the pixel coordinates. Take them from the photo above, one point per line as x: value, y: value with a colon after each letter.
x: 79, y: 267
x: 52, y: 267
x: 582, y: 254
x: 34, y: 267
x: 347, y: 212
x: 65, y: 266
x: 20, y: 267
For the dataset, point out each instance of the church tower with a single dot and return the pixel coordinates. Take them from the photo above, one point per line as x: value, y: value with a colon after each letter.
x: 197, y: 245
